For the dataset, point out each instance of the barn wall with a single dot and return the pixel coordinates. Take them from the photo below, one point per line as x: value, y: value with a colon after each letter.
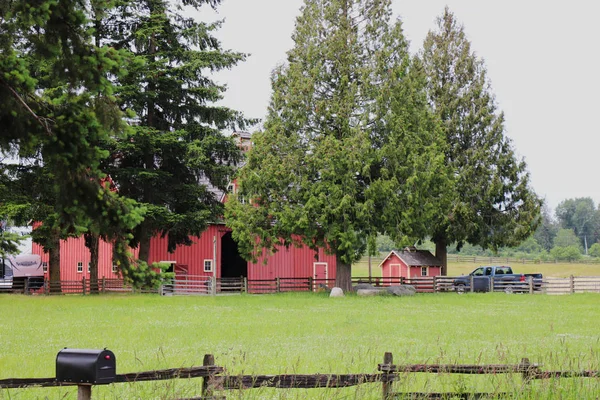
x: 291, y: 262
x: 286, y: 263
x: 193, y: 256
x: 72, y: 251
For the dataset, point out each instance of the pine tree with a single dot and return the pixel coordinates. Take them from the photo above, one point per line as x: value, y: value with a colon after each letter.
x: 175, y: 152
x: 349, y: 147
x: 492, y: 204
x: 51, y: 75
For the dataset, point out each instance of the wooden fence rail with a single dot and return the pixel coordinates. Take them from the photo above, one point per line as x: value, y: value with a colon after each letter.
x: 216, y: 380
x: 202, y: 285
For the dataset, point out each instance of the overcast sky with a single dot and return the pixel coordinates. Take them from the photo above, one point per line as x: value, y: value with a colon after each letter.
x: 542, y: 59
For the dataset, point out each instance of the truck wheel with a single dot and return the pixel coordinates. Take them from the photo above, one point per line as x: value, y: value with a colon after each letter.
x: 509, y: 290
x: 460, y: 289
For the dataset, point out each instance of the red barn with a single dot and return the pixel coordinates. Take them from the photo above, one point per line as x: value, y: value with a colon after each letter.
x: 410, y: 263
x: 214, y: 253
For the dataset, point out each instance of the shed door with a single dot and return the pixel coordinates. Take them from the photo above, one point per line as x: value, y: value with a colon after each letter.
x: 320, y: 273
x: 394, y: 274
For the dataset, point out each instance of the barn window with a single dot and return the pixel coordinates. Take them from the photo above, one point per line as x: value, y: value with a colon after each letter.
x: 79, y: 267
x: 423, y: 271
x: 89, y: 267
x: 208, y: 265
x: 45, y: 266
x: 114, y: 268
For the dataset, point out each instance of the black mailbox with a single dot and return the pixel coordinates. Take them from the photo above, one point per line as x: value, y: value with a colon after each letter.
x: 95, y: 367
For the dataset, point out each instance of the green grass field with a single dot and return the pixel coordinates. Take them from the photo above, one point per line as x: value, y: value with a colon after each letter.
x: 305, y: 334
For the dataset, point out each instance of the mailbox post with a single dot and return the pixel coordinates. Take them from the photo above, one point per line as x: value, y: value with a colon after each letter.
x: 85, y: 368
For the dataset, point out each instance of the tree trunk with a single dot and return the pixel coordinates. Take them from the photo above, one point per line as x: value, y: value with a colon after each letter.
x: 441, y: 253
x: 145, y: 236
x: 54, y: 261
x: 343, y: 275
x: 94, y: 244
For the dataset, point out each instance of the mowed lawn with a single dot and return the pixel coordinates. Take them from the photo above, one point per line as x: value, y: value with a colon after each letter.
x: 302, y: 333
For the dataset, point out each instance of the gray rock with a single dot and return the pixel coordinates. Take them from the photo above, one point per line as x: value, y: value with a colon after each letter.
x: 371, y: 292
x: 362, y: 286
x: 336, y: 292
x: 404, y: 290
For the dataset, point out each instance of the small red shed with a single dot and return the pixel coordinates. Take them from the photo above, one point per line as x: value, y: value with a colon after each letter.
x: 410, y: 263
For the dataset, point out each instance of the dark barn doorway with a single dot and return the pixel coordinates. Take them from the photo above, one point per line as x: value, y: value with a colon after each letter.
x: 232, y: 263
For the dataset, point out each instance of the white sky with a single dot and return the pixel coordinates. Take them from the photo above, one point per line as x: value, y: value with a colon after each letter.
x: 542, y: 58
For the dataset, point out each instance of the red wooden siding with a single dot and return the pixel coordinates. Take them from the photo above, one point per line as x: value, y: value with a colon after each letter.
x: 291, y: 262
x: 73, y: 251
x: 287, y: 263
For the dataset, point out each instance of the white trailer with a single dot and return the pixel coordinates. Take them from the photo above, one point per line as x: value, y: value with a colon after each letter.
x: 22, y: 271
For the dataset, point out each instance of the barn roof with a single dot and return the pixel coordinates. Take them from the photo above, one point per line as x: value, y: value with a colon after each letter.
x: 414, y: 258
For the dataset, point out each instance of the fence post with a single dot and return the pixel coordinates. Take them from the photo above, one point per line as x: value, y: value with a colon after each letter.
x: 527, y: 372
x: 213, y: 286
x: 103, y: 289
x: 471, y: 284
x: 207, y: 388
x: 572, y: 284
x: 388, y: 359
x: 531, y: 285
x: 83, y: 285
x: 311, y: 286
x: 435, y: 289
x: 245, y: 285
x: 277, y: 285
x: 492, y: 284
x: 84, y: 392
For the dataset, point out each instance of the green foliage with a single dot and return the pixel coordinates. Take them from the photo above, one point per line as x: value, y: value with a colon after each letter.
x: 565, y: 238
x: 52, y: 81
x: 566, y: 253
x: 143, y: 276
x: 580, y: 215
x: 9, y: 243
x: 174, y: 155
x: 492, y: 203
x: 547, y: 229
x: 385, y: 244
x: 594, y: 250
x: 350, y: 148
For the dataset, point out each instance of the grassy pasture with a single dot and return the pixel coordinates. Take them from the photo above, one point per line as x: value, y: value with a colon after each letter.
x: 304, y: 333
x: 361, y: 268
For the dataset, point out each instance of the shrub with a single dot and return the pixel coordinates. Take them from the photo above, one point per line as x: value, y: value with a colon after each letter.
x: 568, y: 253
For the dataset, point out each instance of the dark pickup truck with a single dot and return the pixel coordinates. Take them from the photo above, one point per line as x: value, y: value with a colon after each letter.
x: 497, y: 278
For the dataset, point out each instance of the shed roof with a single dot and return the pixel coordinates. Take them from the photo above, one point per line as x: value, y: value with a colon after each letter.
x: 414, y: 258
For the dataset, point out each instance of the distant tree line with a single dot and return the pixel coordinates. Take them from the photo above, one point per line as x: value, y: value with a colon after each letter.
x: 572, y: 233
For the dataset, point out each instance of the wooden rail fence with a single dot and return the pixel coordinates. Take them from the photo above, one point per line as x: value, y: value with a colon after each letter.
x: 215, y: 380
x: 202, y: 285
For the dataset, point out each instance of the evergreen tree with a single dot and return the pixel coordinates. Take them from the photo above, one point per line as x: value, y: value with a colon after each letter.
x: 492, y: 204
x: 175, y: 153
x: 51, y: 75
x: 349, y: 148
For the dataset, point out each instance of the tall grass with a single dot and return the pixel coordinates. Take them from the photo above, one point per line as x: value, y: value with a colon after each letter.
x: 303, y: 333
